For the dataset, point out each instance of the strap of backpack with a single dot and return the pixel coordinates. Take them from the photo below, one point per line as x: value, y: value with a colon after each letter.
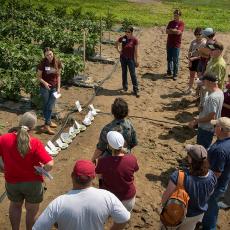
x: 180, y: 180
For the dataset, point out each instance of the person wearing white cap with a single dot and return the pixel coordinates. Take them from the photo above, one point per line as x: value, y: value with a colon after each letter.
x: 219, y: 160
x: 117, y: 171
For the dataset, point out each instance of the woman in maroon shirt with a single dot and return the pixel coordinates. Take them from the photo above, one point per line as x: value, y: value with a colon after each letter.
x: 117, y: 171
x: 49, y: 75
x: 128, y: 58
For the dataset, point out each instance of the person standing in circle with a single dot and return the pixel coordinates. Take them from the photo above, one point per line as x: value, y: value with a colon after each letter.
x: 20, y: 152
x: 49, y: 75
x: 129, y: 59
x: 174, y: 30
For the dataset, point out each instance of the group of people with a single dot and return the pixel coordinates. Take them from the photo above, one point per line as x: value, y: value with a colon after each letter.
x: 208, y: 176
x: 113, y: 162
x: 84, y: 206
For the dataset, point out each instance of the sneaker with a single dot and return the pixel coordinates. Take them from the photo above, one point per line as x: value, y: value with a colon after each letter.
x: 174, y: 78
x: 169, y: 73
x: 222, y: 205
x: 53, y: 125
x: 123, y: 90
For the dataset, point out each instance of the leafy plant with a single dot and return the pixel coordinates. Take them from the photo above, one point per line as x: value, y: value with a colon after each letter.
x: 126, y: 23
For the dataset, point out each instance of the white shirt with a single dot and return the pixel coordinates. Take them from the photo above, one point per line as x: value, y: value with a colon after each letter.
x: 85, y: 209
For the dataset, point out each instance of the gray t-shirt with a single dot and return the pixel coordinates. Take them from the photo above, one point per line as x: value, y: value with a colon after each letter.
x: 213, y: 102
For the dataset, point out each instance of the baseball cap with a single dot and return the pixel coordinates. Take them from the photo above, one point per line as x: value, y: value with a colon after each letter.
x: 216, y: 46
x: 84, y: 169
x: 196, y: 152
x: 223, y: 122
x: 115, y: 140
x: 207, y: 32
x: 209, y: 77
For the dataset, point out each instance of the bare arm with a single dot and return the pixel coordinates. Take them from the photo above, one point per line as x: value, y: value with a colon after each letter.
x: 48, y: 166
x: 96, y: 154
x: 168, y: 192
x: 117, y: 45
x: 39, y: 76
x: 226, y: 106
x: 136, y: 55
x: 208, y: 118
x: 117, y: 226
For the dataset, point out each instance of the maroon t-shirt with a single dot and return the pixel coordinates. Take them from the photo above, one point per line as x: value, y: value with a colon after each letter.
x: 128, y: 46
x: 226, y: 112
x: 49, y: 71
x: 118, y: 175
x: 174, y: 40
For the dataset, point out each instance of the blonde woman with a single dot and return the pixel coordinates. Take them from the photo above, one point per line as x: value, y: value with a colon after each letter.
x: 20, y: 152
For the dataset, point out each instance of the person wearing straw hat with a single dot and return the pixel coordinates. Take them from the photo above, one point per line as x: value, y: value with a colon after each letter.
x: 84, y: 207
x: 20, y: 153
x: 117, y: 171
x: 219, y: 159
x: 199, y: 183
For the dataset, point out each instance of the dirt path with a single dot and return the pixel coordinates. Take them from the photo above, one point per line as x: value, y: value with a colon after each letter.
x: 160, y: 150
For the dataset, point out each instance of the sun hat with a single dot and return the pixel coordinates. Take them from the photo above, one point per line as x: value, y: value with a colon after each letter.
x: 196, y: 152
x: 208, y: 31
x: 223, y: 122
x: 115, y: 140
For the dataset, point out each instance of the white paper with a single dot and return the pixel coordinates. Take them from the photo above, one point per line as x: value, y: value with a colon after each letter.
x: 57, y: 95
x: 43, y: 172
x: 78, y: 105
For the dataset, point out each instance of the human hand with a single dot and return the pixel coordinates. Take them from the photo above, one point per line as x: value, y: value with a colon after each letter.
x: 136, y: 64
x: 47, y: 85
x: 192, y: 123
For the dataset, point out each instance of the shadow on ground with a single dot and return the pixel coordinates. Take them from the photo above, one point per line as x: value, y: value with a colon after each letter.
x: 179, y: 133
x: 110, y: 92
x: 154, y: 76
x: 176, y: 105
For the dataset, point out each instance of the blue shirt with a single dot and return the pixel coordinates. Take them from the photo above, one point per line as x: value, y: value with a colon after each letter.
x: 219, y: 160
x: 199, y: 190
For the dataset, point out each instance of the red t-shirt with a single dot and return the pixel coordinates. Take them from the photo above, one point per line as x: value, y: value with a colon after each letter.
x: 21, y: 169
x: 226, y: 112
x: 49, y: 71
x: 128, y: 46
x: 174, y: 40
x: 118, y: 175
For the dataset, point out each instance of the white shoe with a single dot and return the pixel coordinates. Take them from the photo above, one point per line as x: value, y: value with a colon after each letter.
x: 222, y: 205
x: 51, y: 153
x: 65, y: 137
x: 61, y: 144
x: 53, y: 147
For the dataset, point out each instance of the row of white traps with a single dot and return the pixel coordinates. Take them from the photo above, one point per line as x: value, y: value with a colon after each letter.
x: 66, y: 138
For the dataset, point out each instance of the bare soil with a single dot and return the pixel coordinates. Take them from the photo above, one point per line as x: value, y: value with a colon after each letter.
x: 161, y: 141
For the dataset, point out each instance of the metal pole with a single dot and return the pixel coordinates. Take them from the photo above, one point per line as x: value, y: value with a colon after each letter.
x: 100, y: 34
x: 84, y: 48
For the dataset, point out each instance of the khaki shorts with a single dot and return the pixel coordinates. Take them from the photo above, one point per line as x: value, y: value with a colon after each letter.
x: 32, y: 192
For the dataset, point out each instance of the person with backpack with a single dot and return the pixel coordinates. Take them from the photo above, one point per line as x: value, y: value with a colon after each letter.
x: 20, y: 152
x: 121, y: 124
x: 198, y: 184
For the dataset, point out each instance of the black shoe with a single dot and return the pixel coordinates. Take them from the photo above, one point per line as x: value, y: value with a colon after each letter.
x: 137, y: 94
x: 169, y: 73
x: 174, y: 78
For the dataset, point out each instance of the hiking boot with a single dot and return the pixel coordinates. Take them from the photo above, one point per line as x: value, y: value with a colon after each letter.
x: 53, y: 125
x: 48, y: 130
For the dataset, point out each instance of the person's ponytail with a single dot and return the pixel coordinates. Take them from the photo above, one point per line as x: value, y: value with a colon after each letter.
x: 23, y: 140
x: 27, y: 123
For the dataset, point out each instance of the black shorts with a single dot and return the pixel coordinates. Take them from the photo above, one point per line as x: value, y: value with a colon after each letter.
x: 194, y: 66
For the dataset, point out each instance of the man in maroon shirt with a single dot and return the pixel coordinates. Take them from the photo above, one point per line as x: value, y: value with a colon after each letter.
x: 128, y: 57
x: 174, y: 30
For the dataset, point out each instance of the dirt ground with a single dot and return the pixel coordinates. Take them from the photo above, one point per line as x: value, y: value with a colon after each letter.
x: 161, y: 141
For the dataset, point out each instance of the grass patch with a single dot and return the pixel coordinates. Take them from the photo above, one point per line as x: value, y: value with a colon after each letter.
x: 204, y: 13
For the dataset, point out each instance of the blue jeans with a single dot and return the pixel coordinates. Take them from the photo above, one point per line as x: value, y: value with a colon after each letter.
x: 125, y: 64
x: 48, y: 103
x: 210, y: 217
x: 173, y: 60
x: 204, y: 137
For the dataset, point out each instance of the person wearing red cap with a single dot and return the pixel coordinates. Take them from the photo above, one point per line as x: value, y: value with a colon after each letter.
x: 117, y: 171
x: 84, y: 207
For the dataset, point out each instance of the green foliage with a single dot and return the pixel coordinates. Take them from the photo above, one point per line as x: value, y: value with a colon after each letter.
x: 126, y: 23
x: 109, y: 20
